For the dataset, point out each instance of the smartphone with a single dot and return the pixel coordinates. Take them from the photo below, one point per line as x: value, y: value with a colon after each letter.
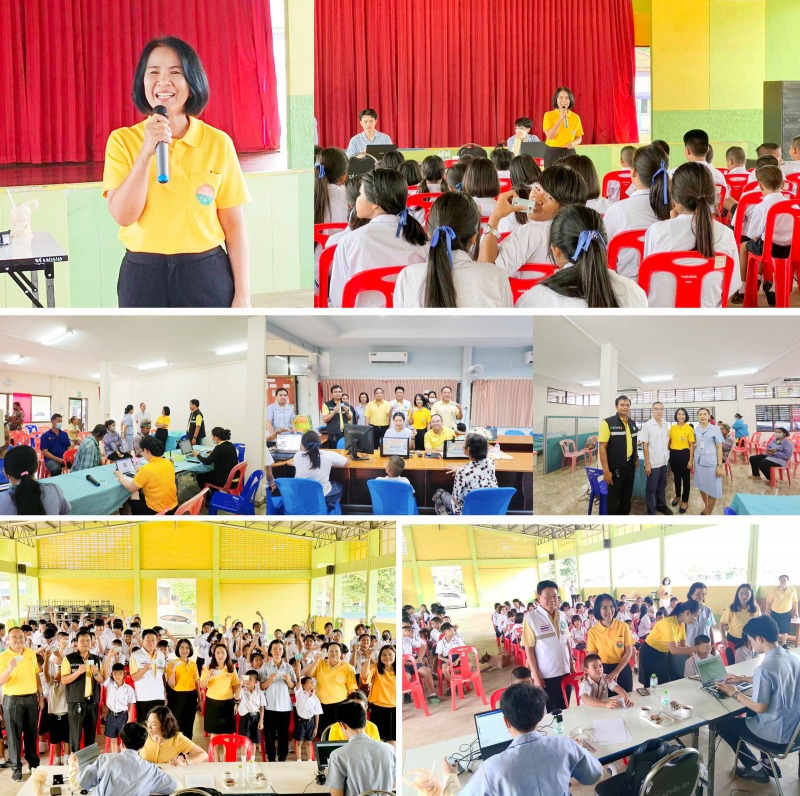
x: 643, y: 691
x: 58, y: 779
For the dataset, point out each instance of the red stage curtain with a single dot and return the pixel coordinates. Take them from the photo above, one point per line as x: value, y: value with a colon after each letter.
x: 448, y: 72
x: 69, y: 64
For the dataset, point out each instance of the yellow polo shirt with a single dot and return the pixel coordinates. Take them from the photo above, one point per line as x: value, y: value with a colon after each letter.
x: 181, y: 216
x: 566, y: 135
x: 378, y: 414
x: 664, y: 631
x: 420, y: 417
x: 221, y: 685
x: 448, y: 411
x: 736, y: 620
x: 337, y: 734
x: 609, y: 642
x: 166, y: 751
x: 157, y: 480
x: 23, y: 680
x: 185, y: 675
x: 435, y: 442
x: 680, y: 437
x: 780, y: 600
x: 382, y: 691
x: 334, y: 683
x: 605, y: 436
x: 163, y: 420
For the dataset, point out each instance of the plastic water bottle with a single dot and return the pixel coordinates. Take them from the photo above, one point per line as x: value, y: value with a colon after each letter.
x: 240, y: 780
x: 653, y: 682
x: 558, y: 729
x: 251, y: 771
x: 664, y: 699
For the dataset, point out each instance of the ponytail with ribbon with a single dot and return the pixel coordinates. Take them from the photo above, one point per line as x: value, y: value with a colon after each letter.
x: 584, y: 241
x: 662, y: 169
x: 449, y: 236
x: 320, y: 169
x: 403, y: 216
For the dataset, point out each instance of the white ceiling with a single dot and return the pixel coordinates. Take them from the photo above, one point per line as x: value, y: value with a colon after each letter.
x: 692, y: 349
x: 442, y: 331
x: 126, y: 341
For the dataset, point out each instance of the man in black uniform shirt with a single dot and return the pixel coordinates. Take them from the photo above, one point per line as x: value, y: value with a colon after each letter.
x: 196, y: 430
x: 335, y: 414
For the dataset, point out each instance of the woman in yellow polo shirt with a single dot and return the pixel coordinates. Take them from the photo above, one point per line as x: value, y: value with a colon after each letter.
x: 155, y: 481
x: 782, y: 607
x: 664, y: 651
x: 222, y: 689
x: 681, y: 457
x: 420, y: 418
x: 166, y: 743
x: 183, y: 691
x: 335, y: 679
x: 612, y: 640
x: 173, y: 232
x: 562, y: 128
x: 382, y: 694
x: 736, y: 616
x: 162, y: 426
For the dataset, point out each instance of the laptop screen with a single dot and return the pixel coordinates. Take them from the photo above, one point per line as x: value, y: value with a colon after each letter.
x: 493, y: 735
x: 710, y: 669
x: 323, y: 751
x: 186, y: 446
x: 288, y: 443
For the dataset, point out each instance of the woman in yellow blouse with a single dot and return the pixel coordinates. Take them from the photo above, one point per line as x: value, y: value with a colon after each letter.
x: 420, y: 420
x: 736, y: 616
x: 562, y: 128
x: 162, y: 426
x: 222, y: 689
x: 183, y: 690
x: 335, y: 679
x: 664, y: 593
x: 664, y: 651
x: 382, y: 694
x: 782, y: 607
x: 166, y: 743
x: 612, y: 640
x: 73, y: 430
x: 681, y: 457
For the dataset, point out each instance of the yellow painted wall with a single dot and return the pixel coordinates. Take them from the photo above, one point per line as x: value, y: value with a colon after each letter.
x: 163, y: 545
x: 300, y: 33
x: 501, y: 584
x: 409, y: 588
x: 448, y: 541
x: 281, y: 603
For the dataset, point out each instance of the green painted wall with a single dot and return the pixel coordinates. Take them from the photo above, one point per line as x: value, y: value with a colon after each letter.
x: 782, y: 62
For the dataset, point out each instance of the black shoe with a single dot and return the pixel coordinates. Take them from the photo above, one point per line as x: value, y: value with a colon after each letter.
x: 17, y: 775
x: 737, y: 298
x: 675, y: 501
x: 664, y: 510
x: 682, y: 511
x: 771, y: 301
x: 766, y: 766
x: 755, y: 776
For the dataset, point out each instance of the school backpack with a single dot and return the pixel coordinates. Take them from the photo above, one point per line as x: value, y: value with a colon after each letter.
x: 641, y: 761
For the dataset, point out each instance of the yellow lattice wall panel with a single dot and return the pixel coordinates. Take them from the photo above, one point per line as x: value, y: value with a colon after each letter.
x: 240, y: 549
x: 590, y: 536
x: 388, y: 541
x: 359, y: 550
x: 566, y: 546
x: 106, y: 549
x: 492, y: 544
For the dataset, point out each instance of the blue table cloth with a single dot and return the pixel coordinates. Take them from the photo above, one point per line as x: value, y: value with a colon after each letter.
x: 172, y: 440
x: 766, y: 504
x: 640, y: 481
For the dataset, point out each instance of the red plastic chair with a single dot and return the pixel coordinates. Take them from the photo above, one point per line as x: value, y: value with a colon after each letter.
x: 517, y: 649
x: 747, y: 200
x: 783, y: 270
x: 573, y: 680
x: 721, y: 192
x: 621, y: 177
x: 231, y: 744
x: 19, y: 438
x: 423, y: 200
x: 689, y: 276
x: 774, y: 472
x: 569, y: 450
x: 736, y: 184
x: 381, y: 280
x: 494, y: 699
x: 762, y: 448
x: 413, y: 685
x: 721, y: 646
x: 462, y: 675
x: 42, y: 471
x: 737, y: 452
x: 793, y: 183
x: 795, y: 438
x: 505, y: 184
x: 723, y: 172
x: 450, y: 162
x: 83, y: 434
x: 753, y: 442
x: 325, y: 262
x: 521, y: 285
x: 728, y: 470
x: 193, y: 505
x: 632, y: 239
x: 579, y: 656
x: 321, y: 237
x: 69, y: 458
x: 237, y: 475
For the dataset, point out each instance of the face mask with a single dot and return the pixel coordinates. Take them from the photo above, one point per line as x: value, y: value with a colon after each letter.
x: 58, y: 425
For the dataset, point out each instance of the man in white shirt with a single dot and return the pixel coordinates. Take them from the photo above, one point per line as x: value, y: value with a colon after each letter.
x: 655, y: 438
x: 369, y: 136
x: 142, y: 414
x: 696, y: 144
x: 399, y: 404
x: 450, y: 411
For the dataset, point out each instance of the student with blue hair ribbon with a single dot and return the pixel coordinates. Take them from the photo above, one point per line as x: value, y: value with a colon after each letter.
x: 330, y: 202
x: 452, y: 277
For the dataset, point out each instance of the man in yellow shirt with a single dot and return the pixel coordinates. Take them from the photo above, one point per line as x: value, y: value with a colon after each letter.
x: 450, y: 411
x: 435, y: 437
x: 22, y: 700
x: 377, y: 415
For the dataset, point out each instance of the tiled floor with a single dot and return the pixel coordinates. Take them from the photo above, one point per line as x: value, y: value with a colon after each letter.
x: 293, y: 299
x: 475, y: 626
x: 564, y: 492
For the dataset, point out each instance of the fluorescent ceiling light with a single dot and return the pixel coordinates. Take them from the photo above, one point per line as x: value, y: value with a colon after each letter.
x: 590, y: 384
x: 737, y: 372
x: 646, y: 379
x: 56, y: 336
x: 232, y: 349
x: 152, y: 365
x: 16, y: 359
x: 95, y: 376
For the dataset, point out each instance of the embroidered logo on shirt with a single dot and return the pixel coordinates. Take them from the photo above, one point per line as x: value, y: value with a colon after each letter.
x: 205, y: 195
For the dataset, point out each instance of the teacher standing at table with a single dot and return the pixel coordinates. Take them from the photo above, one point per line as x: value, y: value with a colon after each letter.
x: 665, y: 648
x: 174, y: 226
x: 562, y: 128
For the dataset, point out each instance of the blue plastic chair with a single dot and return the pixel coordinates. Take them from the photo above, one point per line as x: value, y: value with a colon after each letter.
x: 390, y: 498
x: 274, y: 504
x: 487, y: 501
x: 240, y: 446
x: 729, y: 511
x: 238, y: 504
x: 31, y: 428
x: 302, y: 496
x: 340, y: 444
x: 599, y: 489
x: 514, y: 432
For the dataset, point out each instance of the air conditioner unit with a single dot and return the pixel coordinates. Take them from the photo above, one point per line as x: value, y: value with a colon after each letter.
x: 791, y: 380
x: 529, y: 357
x: 626, y: 390
x: 388, y: 357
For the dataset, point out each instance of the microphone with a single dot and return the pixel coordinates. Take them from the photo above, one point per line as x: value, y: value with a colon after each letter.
x: 566, y: 125
x: 162, y: 151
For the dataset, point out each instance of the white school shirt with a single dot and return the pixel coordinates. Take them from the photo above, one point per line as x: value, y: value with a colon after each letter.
x: 400, y: 479
x: 477, y: 284
x: 629, y: 214
x: 337, y: 212
x: 410, y: 645
x: 486, y: 204
x: 435, y: 634
x: 151, y: 686
x: 322, y: 474
x: 577, y: 635
x: 599, y: 205
x: 496, y: 619
x: 628, y: 294
x: 307, y: 705
x: 372, y: 246
x: 677, y: 235
x: 757, y: 221
x: 404, y: 407
x: 336, y: 238
x: 251, y: 701
x: 118, y: 697
x: 657, y: 438
x: 509, y: 223
x: 529, y: 243
x: 443, y: 646
x: 790, y: 167
x: 645, y: 625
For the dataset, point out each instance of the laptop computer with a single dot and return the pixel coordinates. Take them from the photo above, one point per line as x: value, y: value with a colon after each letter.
x: 454, y: 449
x: 493, y: 735
x: 379, y: 150
x: 286, y: 446
x: 322, y: 751
x: 185, y: 447
x: 394, y: 446
x: 712, y: 671
x: 126, y: 467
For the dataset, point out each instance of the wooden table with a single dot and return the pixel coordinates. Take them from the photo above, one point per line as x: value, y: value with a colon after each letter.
x: 515, y: 443
x: 426, y: 476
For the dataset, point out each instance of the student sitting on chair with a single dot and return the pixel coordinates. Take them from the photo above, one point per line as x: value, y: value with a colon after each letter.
x: 703, y: 651
x: 27, y: 495
x: 584, y: 165
x: 478, y: 474
x: 482, y: 184
x: 315, y: 465
x: 501, y: 159
x: 792, y: 166
x: 394, y: 472
x: 736, y: 160
x: 595, y: 689
x: 433, y: 179
x: 522, y: 135
x: 746, y: 651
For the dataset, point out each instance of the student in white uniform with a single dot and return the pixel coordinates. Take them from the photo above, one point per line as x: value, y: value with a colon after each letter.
x: 315, y: 464
x: 693, y: 229
x: 451, y: 277
x: 501, y: 159
x: 625, y: 164
x: 392, y: 237
x: 649, y: 202
x: 330, y: 171
x: 352, y: 188
x: 792, y: 166
x: 524, y: 172
x: 696, y: 148
x: 433, y: 180
x: 556, y: 187
x: 736, y: 160
x: 482, y: 184
x: 584, y: 165
x: 578, y: 243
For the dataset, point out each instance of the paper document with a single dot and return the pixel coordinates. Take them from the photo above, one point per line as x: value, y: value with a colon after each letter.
x: 200, y: 781
x: 607, y: 731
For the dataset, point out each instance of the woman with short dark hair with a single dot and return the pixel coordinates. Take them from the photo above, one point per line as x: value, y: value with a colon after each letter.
x: 478, y: 474
x: 165, y: 743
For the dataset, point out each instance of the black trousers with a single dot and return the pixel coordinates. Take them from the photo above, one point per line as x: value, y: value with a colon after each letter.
x: 183, y: 705
x: 162, y: 435
x: 178, y: 280
x: 82, y: 718
x: 419, y: 439
x: 377, y: 434
x: 248, y: 726
x: 679, y: 464
x: 333, y: 439
x: 759, y: 464
x: 21, y: 715
x: 620, y: 490
x: 144, y: 707
x: 624, y: 678
x: 327, y: 718
x: 276, y: 727
x: 734, y: 728
x: 552, y: 687
x: 553, y: 154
